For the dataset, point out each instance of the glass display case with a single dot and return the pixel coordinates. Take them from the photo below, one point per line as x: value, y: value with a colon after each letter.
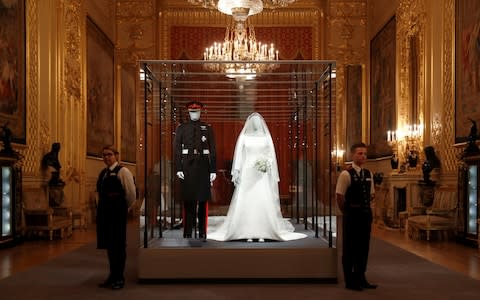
x: 467, y: 229
x: 9, y: 212
x: 296, y: 101
x: 7, y: 207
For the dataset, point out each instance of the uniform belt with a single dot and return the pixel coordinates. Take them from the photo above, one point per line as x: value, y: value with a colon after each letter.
x: 195, y: 152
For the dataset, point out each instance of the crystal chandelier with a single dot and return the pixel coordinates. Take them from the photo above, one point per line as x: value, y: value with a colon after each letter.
x: 251, y: 57
x: 240, y: 46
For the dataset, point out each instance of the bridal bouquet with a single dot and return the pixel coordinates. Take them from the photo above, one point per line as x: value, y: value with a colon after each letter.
x: 262, y: 165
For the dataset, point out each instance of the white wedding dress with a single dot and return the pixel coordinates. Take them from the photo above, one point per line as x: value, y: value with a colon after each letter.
x: 254, y: 211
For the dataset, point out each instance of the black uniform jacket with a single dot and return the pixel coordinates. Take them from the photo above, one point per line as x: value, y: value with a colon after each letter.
x: 195, y: 156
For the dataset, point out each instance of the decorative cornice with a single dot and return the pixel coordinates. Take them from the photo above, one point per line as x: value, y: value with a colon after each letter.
x: 135, y: 22
x: 134, y: 10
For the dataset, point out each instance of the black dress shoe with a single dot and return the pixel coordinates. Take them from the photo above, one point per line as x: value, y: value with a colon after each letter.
x: 354, y: 287
x: 119, y: 284
x: 367, y: 285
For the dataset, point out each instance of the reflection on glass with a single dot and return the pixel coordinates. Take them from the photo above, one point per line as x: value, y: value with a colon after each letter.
x: 6, y: 202
x: 472, y: 200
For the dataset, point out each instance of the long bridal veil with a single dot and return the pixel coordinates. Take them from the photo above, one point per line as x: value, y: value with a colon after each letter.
x: 255, y: 126
x: 254, y: 211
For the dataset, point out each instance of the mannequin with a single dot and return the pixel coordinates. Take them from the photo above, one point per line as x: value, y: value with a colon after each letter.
x: 195, y: 164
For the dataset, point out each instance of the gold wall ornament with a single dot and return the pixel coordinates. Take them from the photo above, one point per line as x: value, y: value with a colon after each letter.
x: 31, y: 164
x: 137, y: 31
x: 71, y: 103
x: 72, y: 58
x: 348, y: 47
x: 410, y: 39
x: 413, y: 16
x: 448, y: 154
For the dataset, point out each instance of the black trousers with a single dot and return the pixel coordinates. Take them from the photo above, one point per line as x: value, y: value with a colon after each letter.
x: 117, y: 257
x: 195, y: 192
x: 357, y: 225
x: 192, y: 212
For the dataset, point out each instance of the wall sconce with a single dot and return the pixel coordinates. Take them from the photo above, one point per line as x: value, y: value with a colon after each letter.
x: 406, y: 141
x: 337, y: 154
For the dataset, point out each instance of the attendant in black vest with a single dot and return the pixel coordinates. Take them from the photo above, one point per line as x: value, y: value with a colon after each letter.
x: 116, y: 192
x: 354, y: 192
x: 195, y: 163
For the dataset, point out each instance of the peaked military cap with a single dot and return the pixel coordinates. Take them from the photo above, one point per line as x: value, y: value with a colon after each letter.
x: 194, y: 105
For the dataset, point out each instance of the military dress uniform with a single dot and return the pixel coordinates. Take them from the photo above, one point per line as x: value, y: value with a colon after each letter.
x: 357, y: 221
x: 195, y: 156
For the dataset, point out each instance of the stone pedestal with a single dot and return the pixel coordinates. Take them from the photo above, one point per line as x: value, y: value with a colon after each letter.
x: 427, y: 192
x: 56, y: 195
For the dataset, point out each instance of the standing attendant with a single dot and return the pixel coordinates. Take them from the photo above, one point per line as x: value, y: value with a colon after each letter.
x: 195, y: 163
x: 354, y: 192
x: 116, y: 191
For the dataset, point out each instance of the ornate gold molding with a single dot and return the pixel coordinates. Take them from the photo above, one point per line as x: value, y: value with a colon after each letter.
x: 72, y: 56
x: 73, y: 85
x: 411, y: 21
x: 446, y: 130
x: 136, y: 23
x: 348, y: 47
x: 31, y: 153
